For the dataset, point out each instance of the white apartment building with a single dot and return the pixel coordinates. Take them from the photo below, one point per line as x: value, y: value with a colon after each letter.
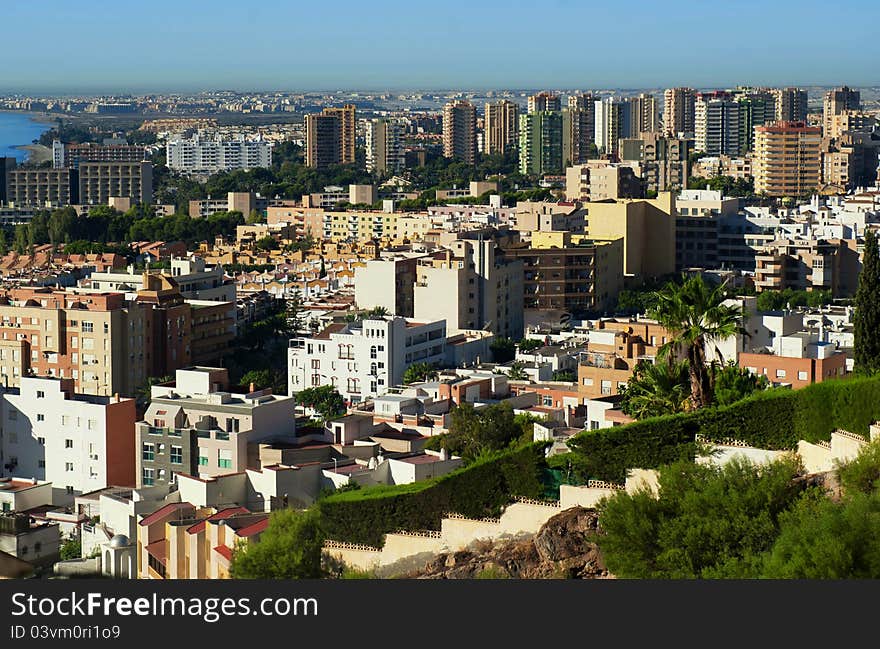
x: 78, y: 442
x: 384, y: 151
x: 195, y: 280
x: 201, y: 155
x: 363, y: 359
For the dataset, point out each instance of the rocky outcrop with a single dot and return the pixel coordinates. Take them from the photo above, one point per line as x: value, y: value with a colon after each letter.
x: 561, y: 549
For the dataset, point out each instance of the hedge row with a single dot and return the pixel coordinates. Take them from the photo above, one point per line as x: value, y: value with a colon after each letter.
x: 776, y: 419
x: 478, y: 490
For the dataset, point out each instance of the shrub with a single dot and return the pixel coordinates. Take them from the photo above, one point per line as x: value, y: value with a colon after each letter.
x: 478, y: 490
x: 709, y: 522
x: 774, y: 419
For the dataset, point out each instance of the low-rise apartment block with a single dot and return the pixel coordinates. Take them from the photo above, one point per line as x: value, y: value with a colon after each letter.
x: 364, y: 358
x: 199, y: 425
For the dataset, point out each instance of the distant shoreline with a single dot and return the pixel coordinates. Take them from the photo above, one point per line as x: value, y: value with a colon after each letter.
x: 35, y: 153
x: 36, y: 116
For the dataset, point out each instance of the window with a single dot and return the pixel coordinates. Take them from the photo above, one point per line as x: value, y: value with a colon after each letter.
x: 802, y: 376
x: 606, y: 387
x: 547, y: 401
x: 316, y: 379
x: 316, y: 364
x: 149, y: 477
x: 373, y: 351
x: 224, y: 458
x: 41, y: 417
x: 68, y: 466
x: 588, y: 381
x: 88, y: 327
x: 780, y: 374
x: 149, y: 452
x: 41, y: 464
x: 93, y: 423
x: 41, y: 394
x: 232, y: 425
x: 203, y: 460
x: 13, y: 414
x: 68, y: 443
x: 41, y: 441
x: 176, y: 455
x: 6, y: 507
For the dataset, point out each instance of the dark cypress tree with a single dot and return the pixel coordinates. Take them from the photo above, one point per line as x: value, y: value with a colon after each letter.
x: 866, y: 319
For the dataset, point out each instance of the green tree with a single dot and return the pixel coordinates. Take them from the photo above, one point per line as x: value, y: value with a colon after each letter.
x: 289, y: 548
x: 266, y: 243
x: 862, y: 473
x: 655, y: 389
x: 734, y: 383
x: 293, y: 311
x: 822, y: 539
x: 377, y: 312
x: 71, y: 549
x: 420, y: 371
x: 4, y: 247
x: 265, y: 378
x: 322, y: 273
x: 475, y: 430
x: 503, y: 349
x: 255, y: 217
x: 694, y: 313
x: 530, y: 344
x: 709, y: 521
x: 517, y: 372
x: 866, y: 319
x: 564, y: 375
x: 324, y: 400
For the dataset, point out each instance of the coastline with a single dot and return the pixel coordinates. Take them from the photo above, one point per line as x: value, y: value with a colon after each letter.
x: 36, y: 153
x: 35, y: 116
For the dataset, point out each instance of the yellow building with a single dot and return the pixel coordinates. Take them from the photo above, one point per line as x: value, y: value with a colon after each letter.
x: 647, y: 227
x: 181, y: 541
x: 787, y: 158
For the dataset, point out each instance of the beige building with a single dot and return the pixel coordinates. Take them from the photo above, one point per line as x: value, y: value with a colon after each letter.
x: 791, y: 104
x: 97, y: 339
x: 202, y: 426
x: 663, y: 160
x: 500, y: 127
x: 471, y: 285
x: 644, y: 114
x: 330, y: 137
x: 647, y: 227
x: 848, y: 120
x: 599, y: 180
x: 99, y: 181
x: 786, y: 160
x: 544, y: 102
x: 569, y: 272
x: 460, y: 131
x: 837, y: 101
x: 811, y: 265
x: 678, y: 111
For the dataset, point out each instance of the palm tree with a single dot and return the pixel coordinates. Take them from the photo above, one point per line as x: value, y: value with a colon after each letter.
x: 656, y: 389
x: 517, y: 372
x: 694, y: 314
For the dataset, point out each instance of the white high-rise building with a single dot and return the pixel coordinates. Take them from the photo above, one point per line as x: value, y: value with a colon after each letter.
x: 200, y: 155
x: 613, y: 122
x: 384, y: 151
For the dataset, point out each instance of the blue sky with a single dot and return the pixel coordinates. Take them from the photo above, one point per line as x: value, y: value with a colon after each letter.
x: 122, y: 46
